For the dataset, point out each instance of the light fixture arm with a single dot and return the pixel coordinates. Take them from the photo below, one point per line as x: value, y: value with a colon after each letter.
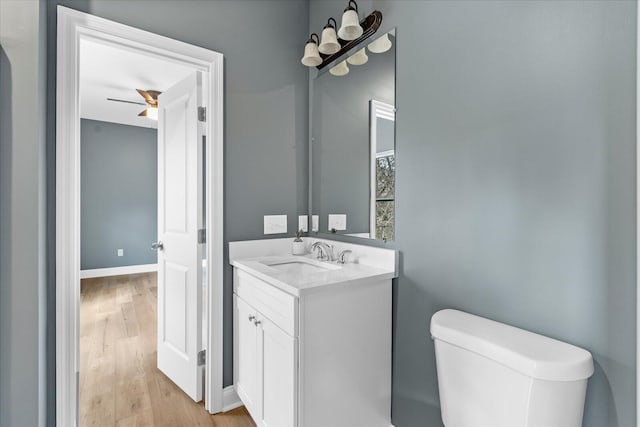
x: 312, y: 40
x: 330, y: 25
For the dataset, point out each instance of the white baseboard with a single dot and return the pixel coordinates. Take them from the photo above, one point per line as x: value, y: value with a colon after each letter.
x: 230, y: 399
x: 118, y: 271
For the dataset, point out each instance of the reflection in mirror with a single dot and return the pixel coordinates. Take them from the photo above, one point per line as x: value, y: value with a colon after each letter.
x: 382, y: 170
x: 353, y: 141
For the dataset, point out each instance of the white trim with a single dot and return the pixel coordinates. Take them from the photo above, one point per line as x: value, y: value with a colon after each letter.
x: 230, y: 399
x: 118, y: 271
x: 386, y: 111
x: 74, y: 26
x: 385, y: 153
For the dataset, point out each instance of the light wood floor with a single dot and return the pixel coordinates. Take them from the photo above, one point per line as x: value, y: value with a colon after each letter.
x: 119, y: 382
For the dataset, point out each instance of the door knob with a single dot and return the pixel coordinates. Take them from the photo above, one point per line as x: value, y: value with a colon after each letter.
x: 251, y: 318
x: 158, y: 246
x: 256, y: 322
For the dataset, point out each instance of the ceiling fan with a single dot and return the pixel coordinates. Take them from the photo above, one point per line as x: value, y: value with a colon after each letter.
x: 151, y: 99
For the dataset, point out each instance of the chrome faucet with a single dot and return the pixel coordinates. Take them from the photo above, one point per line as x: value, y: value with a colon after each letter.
x: 325, y: 251
x: 342, y: 258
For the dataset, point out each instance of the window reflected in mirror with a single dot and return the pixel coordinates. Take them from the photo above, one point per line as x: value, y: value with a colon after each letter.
x: 383, y: 170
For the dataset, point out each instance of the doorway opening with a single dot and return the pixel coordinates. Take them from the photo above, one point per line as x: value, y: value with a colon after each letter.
x: 95, y: 56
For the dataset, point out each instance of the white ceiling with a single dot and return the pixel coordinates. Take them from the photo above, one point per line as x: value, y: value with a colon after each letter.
x: 109, y: 72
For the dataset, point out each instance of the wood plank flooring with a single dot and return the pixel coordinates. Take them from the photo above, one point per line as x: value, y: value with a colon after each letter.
x: 119, y: 382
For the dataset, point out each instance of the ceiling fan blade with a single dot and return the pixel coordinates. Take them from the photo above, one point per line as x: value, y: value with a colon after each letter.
x: 151, y: 96
x: 124, y: 100
x: 143, y: 113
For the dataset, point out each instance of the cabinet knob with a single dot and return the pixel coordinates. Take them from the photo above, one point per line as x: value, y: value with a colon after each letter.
x: 251, y: 318
x: 256, y: 322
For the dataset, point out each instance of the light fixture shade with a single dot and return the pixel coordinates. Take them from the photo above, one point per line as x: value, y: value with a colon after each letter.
x: 358, y: 58
x: 380, y: 45
x: 311, y: 56
x: 342, y: 69
x: 350, y: 28
x: 152, y: 113
x: 329, y: 43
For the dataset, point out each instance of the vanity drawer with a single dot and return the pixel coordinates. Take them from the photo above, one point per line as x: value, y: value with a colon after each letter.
x: 278, y: 306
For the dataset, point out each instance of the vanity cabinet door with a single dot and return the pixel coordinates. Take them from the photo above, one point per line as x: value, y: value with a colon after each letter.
x: 246, y: 348
x: 279, y: 376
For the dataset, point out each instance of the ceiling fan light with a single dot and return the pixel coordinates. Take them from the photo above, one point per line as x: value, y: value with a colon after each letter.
x: 152, y: 113
x: 350, y: 28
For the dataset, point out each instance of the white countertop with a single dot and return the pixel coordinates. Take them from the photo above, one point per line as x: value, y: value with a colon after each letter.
x: 299, y: 282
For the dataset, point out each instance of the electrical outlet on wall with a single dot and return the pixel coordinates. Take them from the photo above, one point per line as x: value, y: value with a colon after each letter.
x: 303, y: 223
x: 337, y: 222
x: 120, y: 252
x: 275, y: 224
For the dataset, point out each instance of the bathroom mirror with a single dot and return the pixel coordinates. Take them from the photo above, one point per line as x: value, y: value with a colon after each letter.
x: 352, y: 116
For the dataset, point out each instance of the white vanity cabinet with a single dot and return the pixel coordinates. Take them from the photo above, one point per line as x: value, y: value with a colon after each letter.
x: 266, y: 351
x: 317, y: 359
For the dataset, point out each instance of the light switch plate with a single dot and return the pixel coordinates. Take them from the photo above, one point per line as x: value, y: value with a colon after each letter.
x: 275, y: 224
x: 315, y: 223
x: 120, y: 252
x: 303, y: 223
x: 337, y: 222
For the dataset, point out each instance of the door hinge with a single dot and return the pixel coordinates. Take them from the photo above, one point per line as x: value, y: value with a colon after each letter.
x: 202, y: 114
x: 202, y: 235
x: 202, y: 357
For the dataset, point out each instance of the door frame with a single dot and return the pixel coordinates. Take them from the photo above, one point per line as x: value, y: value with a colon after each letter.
x: 74, y: 26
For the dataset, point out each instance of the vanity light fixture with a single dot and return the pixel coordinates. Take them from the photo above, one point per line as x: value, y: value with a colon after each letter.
x: 358, y: 58
x: 342, y: 69
x: 329, y: 43
x: 311, y: 56
x: 330, y: 47
x: 381, y: 44
x: 350, y: 28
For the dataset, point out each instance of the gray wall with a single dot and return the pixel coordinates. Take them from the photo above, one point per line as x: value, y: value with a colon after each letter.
x: 22, y: 213
x: 340, y: 123
x: 266, y: 103
x: 515, y: 138
x: 119, y: 194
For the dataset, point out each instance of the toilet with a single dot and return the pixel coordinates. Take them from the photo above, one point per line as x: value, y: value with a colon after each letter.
x: 495, y: 375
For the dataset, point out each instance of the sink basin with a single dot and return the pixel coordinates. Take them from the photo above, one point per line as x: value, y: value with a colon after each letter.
x: 299, y: 265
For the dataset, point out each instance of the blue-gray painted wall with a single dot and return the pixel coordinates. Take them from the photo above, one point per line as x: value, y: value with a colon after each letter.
x: 515, y: 138
x: 119, y: 194
x: 516, y: 120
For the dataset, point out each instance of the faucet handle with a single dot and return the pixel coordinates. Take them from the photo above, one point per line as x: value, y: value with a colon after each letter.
x: 342, y: 256
x: 317, y: 246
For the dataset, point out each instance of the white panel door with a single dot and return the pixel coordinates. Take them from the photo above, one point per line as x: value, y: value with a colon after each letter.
x: 179, y: 218
x: 279, y: 376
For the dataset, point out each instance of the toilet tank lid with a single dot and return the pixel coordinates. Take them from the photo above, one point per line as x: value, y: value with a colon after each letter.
x: 532, y: 354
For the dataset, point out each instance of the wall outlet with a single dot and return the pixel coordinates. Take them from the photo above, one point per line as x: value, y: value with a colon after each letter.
x: 337, y: 222
x: 315, y: 223
x: 275, y: 224
x: 120, y: 252
x: 303, y: 223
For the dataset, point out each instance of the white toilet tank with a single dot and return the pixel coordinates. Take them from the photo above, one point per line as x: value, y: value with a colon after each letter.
x: 494, y: 375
